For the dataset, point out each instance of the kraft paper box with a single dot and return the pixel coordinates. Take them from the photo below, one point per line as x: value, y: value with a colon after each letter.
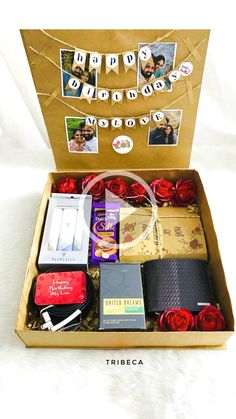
x: 99, y: 339
x: 178, y: 233
x: 50, y: 53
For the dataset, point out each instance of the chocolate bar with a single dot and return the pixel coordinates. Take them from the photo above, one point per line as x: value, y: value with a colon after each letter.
x: 105, y: 230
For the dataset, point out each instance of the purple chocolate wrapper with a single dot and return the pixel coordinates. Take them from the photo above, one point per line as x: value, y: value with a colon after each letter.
x: 105, y: 227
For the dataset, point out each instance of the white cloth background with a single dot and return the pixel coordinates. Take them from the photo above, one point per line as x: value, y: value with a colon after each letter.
x: 171, y: 384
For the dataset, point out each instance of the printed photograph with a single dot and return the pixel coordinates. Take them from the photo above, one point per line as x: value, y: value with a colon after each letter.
x: 166, y: 130
x: 81, y: 138
x: 75, y: 76
x: 161, y: 62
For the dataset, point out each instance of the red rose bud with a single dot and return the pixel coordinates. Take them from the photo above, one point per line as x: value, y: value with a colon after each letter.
x: 185, y: 193
x: 163, y: 190
x: 67, y: 185
x: 97, y: 190
x: 118, y: 187
x: 209, y: 319
x: 135, y: 190
x: 175, y: 320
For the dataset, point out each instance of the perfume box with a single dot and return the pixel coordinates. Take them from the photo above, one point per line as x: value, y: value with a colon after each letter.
x: 65, y: 239
x: 121, y: 297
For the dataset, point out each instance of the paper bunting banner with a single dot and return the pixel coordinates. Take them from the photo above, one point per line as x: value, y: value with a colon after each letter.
x: 157, y: 116
x: 87, y: 92
x: 145, y: 53
x: 80, y: 58
x: 95, y: 61
x: 144, y: 120
x: 129, y: 61
x: 128, y: 57
x: 117, y: 97
x: 112, y: 63
x: 73, y: 85
x: 130, y: 122
x: 131, y: 94
x: 82, y: 83
x: 103, y: 95
x: 174, y: 76
x: 116, y: 123
x: 158, y: 84
x: 146, y: 91
x: 103, y: 123
x: 91, y: 120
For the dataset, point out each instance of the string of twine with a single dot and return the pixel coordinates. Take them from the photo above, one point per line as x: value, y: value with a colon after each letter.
x: 102, y: 53
x: 118, y: 89
x: 112, y: 117
x: 156, y: 226
x: 143, y: 196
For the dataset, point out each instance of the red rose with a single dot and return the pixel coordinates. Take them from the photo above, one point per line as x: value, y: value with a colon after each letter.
x: 163, y: 190
x: 209, y: 319
x: 135, y: 190
x: 67, y: 185
x: 185, y: 193
x: 118, y: 187
x: 175, y: 320
x: 97, y: 190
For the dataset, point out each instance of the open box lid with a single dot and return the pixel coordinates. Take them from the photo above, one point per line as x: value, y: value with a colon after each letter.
x: 165, y: 76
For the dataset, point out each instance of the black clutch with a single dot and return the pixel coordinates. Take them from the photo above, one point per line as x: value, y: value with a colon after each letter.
x: 177, y: 283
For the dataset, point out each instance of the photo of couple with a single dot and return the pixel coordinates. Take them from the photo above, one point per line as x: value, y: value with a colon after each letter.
x: 81, y: 138
x: 165, y: 132
x: 71, y: 69
x: 160, y: 63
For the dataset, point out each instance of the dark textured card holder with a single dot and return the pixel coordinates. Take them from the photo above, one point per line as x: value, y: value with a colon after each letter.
x: 177, y: 283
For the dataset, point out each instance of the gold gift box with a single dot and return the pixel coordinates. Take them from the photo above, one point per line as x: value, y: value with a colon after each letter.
x: 178, y: 233
x: 132, y: 225
x: 182, y: 233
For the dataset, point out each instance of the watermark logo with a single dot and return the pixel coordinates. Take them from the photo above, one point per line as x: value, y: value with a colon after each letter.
x: 111, y: 198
